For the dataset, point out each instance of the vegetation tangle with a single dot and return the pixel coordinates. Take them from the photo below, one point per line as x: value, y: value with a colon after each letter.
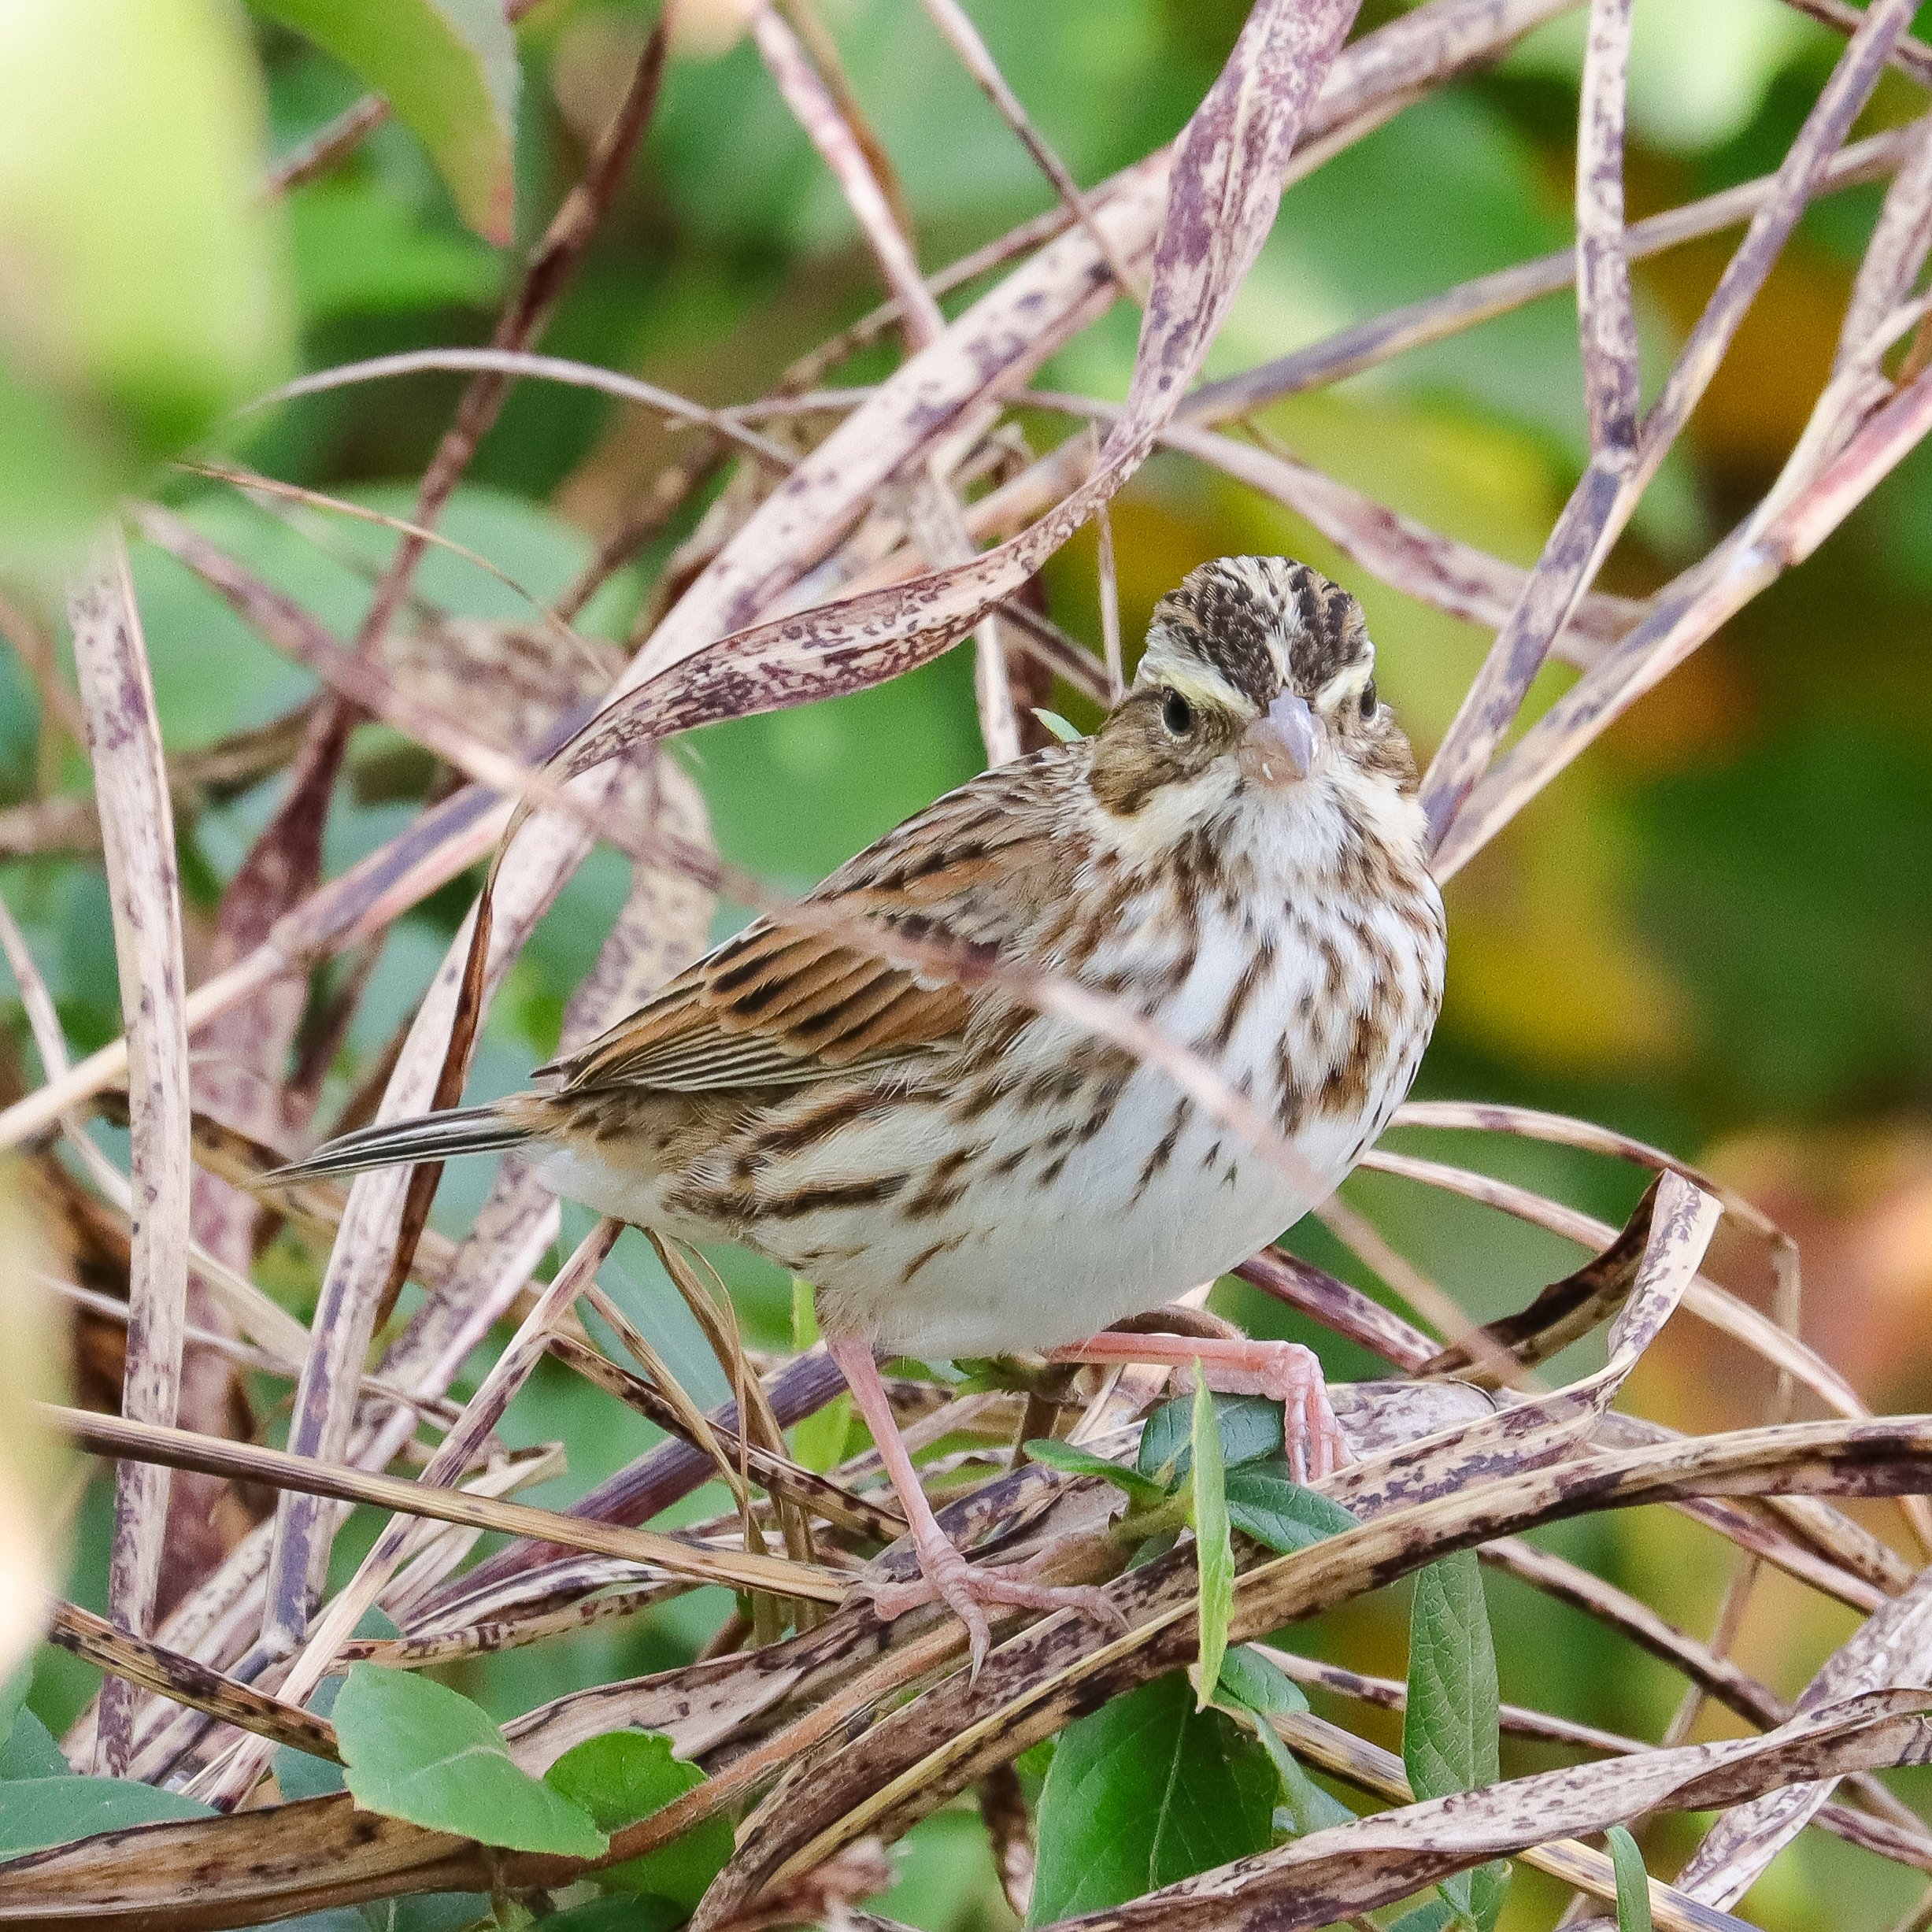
x: 317, y: 1413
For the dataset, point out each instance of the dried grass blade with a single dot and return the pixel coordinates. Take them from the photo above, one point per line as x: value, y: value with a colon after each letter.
x: 332, y: 142
x: 265, y: 492
x: 1601, y: 503
x: 1562, y: 1312
x: 1372, y: 1769
x: 716, y: 1316
x: 109, y: 1435
x: 1605, y: 306
x: 257, y: 1315
x: 364, y: 1264
x: 1893, y: 1647
x: 937, y: 528
x: 1484, y: 1117
x: 1225, y: 177
x: 690, y: 1421
x: 137, y: 829
x: 1653, y: 1264
x: 1683, y: 616
x: 1416, y: 324
x: 502, y: 364
x: 775, y: 1471
x: 186, y: 1680
x: 484, y: 1638
x: 811, y: 101
x: 964, y: 37
x: 664, y: 924
x: 661, y: 1477
x: 481, y: 1414
x: 286, y: 860
x: 233, y: 1779
x: 1896, y: 251
x: 444, y: 841
x: 225, y: 1872
x: 1109, y: 591
x: 1436, y: 570
x: 918, y: 1756
x: 264, y: 1361
x: 1336, y: 1304
x: 1355, y: 1867
x: 1712, y: 1304
x: 1910, y: 57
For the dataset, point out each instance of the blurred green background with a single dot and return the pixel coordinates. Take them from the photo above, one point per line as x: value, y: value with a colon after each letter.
x: 1716, y: 931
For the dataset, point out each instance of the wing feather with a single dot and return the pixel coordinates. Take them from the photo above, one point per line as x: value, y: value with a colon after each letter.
x: 780, y: 1004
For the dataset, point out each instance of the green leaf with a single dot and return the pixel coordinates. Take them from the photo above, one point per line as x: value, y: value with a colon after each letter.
x: 626, y: 1775
x: 1146, y: 1791
x: 40, y: 1811
x: 297, y: 1773
x: 1068, y: 734
x: 1262, y: 1688
x: 1434, y: 1917
x: 804, y: 1315
x: 615, y: 1915
x: 449, y: 69
x: 1256, y: 1681
x: 1450, y: 1740
x: 1250, y: 1427
x: 14, y: 1697
x: 416, y: 1750
x: 818, y: 1439
x: 1488, y: 1886
x: 1450, y: 1735
x: 428, y: 1911
x: 1082, y: 1462
x: 1632, y: 1882
x: 1214, y: 1549
x: 1265, y: 1502
x: 31, y: 1752
x: 360, y: 249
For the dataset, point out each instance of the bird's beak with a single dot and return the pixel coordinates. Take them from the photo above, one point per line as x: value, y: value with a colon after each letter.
x: 1289, y: 737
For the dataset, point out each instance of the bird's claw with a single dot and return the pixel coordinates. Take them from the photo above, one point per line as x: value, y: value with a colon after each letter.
x: 1292, y: 1375
x: 968, y: 1590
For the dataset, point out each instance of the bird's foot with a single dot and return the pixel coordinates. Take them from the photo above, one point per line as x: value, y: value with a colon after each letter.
x: 1292, y: 1375
x: 970, y: 1589
x: 1235, y: 1365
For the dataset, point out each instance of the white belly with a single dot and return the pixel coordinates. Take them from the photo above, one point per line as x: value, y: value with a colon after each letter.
x: 1041, y: 1266
x: 1035, y: 1243
x: 991, y: 1205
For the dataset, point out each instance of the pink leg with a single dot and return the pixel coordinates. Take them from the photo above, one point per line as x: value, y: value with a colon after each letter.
x: 1236, y: 1366
x: 946, y: 1575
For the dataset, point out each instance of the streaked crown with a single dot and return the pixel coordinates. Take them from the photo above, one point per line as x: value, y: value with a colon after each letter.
x: 1242, y: 630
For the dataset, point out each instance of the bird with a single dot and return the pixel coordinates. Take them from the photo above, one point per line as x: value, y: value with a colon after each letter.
x: 1238, y: 857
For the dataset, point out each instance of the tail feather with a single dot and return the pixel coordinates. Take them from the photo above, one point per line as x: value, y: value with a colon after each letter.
x: 431, y: 1137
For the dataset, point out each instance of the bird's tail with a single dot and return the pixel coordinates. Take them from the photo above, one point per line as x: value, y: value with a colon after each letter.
x: 430, y: 1137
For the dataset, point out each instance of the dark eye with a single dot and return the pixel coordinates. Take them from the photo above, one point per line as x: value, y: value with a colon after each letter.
x: 1369, y: 699
x: 1177, y: 714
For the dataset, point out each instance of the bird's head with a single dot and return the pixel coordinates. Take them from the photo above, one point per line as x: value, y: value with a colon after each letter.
x: 1258, y: 682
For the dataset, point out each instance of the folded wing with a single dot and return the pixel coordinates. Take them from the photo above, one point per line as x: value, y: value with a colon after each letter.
x: 784, y: 1002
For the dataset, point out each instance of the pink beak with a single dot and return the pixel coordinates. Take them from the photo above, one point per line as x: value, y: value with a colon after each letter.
x: 1290, y: 726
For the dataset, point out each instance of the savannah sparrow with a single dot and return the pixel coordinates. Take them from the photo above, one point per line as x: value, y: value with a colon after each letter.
x: 1238, y: 854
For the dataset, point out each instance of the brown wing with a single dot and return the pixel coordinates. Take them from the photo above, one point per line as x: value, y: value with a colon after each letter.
x: 782, y: 1003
